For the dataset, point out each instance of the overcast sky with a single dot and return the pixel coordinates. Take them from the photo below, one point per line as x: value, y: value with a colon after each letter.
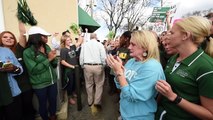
x: 193, y: 5
x: 185, y: 6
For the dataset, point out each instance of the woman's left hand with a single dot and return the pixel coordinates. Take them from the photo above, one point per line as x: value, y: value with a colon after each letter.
x: 115, y: 63
x: 165, y: 89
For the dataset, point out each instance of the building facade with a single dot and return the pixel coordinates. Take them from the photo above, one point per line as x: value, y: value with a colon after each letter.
x: 52, y: 15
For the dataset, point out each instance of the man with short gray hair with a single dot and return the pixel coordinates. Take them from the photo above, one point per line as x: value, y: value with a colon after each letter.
x: 92, y: 60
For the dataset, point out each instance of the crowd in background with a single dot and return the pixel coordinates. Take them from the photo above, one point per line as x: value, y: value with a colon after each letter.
x: 162, y: 77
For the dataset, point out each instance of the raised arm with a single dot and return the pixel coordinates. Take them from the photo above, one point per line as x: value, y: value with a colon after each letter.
x: 54, y: 41
x: 168, y: 20
x: 80, y: 39
x: 22, y: 37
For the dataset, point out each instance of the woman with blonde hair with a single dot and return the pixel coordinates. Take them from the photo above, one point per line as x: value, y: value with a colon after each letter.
x: 68, y: 60
x: 206, y: 45
x: 188, y: 87
x: 138, y: 77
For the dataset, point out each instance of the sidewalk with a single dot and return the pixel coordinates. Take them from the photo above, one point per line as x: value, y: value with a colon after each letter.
x: 109, y: 107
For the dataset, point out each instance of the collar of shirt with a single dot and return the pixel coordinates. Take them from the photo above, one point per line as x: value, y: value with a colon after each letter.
x: 192, y: 58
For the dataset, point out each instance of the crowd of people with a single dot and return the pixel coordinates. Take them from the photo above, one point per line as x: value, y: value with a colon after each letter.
x: 165, y: 77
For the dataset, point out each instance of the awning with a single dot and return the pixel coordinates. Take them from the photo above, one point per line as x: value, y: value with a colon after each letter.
x: 85, y: 21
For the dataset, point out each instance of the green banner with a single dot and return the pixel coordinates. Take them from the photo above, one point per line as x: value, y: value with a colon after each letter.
x: 159, y: 14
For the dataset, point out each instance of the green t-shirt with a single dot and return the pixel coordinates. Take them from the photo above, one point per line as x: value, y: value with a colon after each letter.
x: 190, y: 80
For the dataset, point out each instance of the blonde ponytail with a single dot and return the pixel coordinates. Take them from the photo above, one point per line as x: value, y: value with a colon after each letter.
x: 209, y: 46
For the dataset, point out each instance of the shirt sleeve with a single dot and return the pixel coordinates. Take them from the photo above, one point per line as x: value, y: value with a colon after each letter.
x: 103, y: 54
x: 63, y: 54
x: 55, y: 43
x: 81, y: 59
x: 34, y: 65
x: 205, y: 84
x: 117, y: 83
x: 15, y: 62
x: 141, y: 86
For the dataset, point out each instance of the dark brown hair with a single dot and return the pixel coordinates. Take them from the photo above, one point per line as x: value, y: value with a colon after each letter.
x: 125, y: 39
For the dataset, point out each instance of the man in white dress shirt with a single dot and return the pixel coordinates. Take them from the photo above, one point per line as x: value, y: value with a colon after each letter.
x: 92, y: 60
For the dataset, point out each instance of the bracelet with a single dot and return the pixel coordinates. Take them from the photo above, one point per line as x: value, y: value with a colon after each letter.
x: 118, y: 75
x: 177, y: 100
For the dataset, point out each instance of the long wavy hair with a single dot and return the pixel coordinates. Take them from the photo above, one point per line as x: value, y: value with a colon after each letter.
x: 125, y: 39
x: 63, y: 38
x: 13, y: 47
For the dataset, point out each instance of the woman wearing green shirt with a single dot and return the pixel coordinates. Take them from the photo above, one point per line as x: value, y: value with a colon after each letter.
x: 188, y: 87
x: 40, y: 61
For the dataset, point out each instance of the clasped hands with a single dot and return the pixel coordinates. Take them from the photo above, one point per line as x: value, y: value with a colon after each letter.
x: 115, y: 63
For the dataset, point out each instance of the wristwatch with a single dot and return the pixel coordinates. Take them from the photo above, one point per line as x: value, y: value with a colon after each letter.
x: 177, y: 100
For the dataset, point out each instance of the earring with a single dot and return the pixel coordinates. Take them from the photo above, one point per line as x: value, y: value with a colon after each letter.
x: 145, y: 54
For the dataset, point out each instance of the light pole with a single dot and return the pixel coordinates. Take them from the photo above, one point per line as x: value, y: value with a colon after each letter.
x: 91, y: 4
x: 161, y: 3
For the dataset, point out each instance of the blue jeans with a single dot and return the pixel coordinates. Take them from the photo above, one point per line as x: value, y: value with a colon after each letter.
x: 47, y: 95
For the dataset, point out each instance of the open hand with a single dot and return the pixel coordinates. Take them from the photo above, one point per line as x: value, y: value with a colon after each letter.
x: 165, y: 89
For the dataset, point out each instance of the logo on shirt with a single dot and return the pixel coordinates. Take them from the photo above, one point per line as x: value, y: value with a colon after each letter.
x: 130, y: 74
x: 122, y: 55
x: 72, y: 54
x: 182, y: 73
